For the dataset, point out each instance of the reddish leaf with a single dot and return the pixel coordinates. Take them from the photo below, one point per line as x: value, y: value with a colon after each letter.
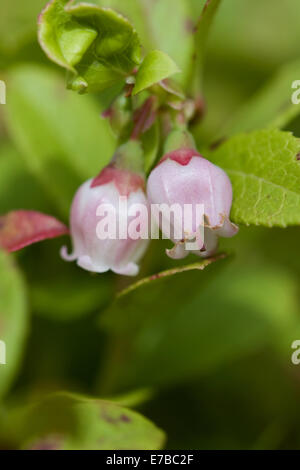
x: 144, y: 117
x: 22, y: 228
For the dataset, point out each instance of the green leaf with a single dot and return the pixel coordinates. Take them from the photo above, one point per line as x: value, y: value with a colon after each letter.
x: 156, y: 67
x: 61, y: 136
x: 97, y: 45
x: 150, y: 18
x: 174, y: 328
x: 270, y: 106
x: 64, y: 40
x: 265, y: 173
x: 65, y: 421
x: 13, y: 319
x: 199, y: 266
x: 136, y: 13
x: 134, y: 398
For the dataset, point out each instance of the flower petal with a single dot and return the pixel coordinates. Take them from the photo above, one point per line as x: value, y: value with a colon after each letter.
x: 178, y: 251
x: 85, y: 262
x: 65, y: 255
x: 227, y: 229
x: 131, y: 269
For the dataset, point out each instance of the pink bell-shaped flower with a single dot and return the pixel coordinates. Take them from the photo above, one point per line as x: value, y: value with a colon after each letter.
x: 186, y: 180
x: 120, y: 190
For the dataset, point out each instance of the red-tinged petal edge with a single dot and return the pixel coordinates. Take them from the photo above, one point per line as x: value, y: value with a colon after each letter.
x: 22, y: 228
x: 125, y: 181
x: 181, y: 156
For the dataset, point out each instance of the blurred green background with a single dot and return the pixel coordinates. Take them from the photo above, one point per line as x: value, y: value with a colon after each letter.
x: 204, y: 355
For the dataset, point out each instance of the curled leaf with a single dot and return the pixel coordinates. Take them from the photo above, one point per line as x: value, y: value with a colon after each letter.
x: 22, y: 228
x: 96, y: 45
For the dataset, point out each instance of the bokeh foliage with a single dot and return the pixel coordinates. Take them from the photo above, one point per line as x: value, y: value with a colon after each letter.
x: 206, y: 352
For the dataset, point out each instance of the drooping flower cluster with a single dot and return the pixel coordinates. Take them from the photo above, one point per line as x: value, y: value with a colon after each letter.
x: 182, y: 178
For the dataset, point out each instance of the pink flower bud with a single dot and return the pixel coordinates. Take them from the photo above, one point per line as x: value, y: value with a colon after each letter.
x: 120, y: 254
x: 183, y: 177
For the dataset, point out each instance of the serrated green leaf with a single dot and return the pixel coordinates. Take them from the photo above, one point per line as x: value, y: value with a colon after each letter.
x: 13, y: 320
x: 265, y: 173
x: 70, y: 422
x: 156, y: 67
x: 270, y: 106
x: 60, y: 135
x: 97, y: 45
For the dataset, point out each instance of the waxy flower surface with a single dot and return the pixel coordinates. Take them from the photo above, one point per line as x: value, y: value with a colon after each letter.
x: 119, y: 254
x: 185, y: 179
